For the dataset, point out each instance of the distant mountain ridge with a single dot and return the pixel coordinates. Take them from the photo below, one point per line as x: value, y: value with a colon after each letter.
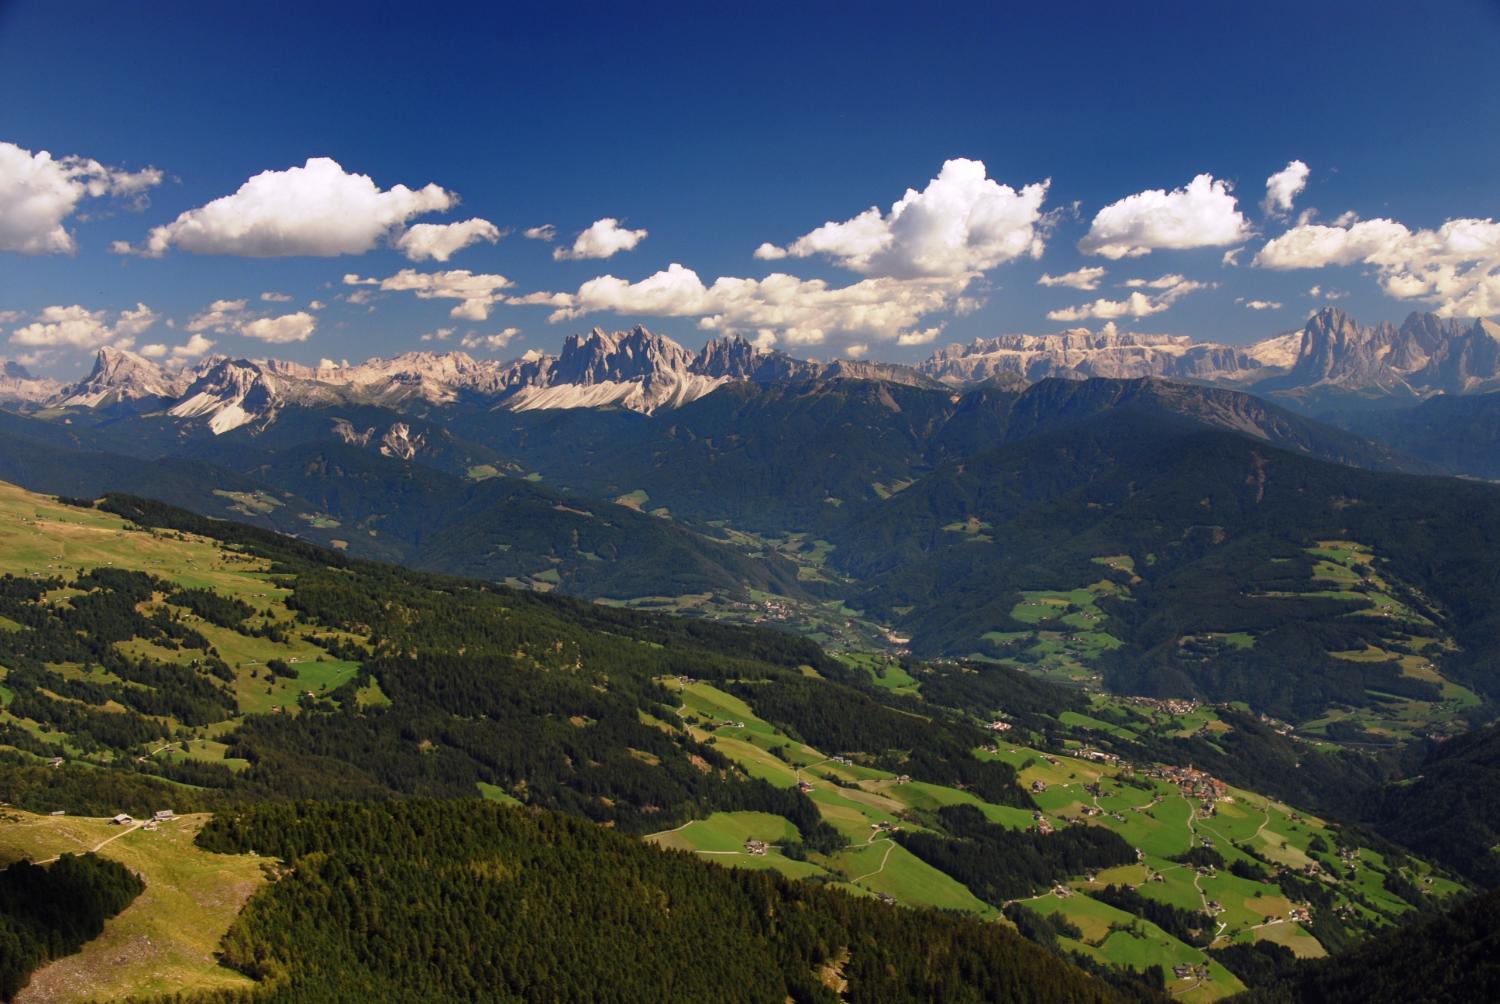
x: 18, y: 385
x: 1329, y: 362
x: 635, y: 370
x: 1330, y: 354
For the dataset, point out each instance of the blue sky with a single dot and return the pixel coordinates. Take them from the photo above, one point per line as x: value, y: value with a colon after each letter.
x: 716, y: 134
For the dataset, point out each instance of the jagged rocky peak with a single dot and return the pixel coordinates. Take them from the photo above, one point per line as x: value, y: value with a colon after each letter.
x: 730, y: 356
x: 231, y: 393
x: 632, y: 369
x: 1328, y: 339
x: 601, y: 356
x: 19, y: 386
x: 1425, y: 354
x: 123, y: 378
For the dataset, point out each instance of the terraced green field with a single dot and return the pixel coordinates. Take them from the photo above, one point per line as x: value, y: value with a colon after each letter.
x: 1153, y: 814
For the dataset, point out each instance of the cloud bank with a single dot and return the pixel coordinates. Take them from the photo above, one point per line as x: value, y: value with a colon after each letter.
x: 39, y: 193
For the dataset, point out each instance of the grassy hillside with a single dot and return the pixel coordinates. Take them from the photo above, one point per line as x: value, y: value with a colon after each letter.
x: 1449, y: 957
x: 353, y: 499
x: 941, y: 845
x: 164, y: 942
x: 168, y: 659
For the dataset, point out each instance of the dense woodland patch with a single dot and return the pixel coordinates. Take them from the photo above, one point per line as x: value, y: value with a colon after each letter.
x: 415, y: 901
x: 47, y: 911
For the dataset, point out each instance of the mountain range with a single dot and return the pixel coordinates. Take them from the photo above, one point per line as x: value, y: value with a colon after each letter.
x: 634, y: 370
x: 1331, y: 354
x: 1331, y: 362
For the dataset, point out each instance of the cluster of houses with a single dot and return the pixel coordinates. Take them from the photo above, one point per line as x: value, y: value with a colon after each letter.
x: 999, y: 725
x: 1185, y: 971
x: 1171, y: 705
x: 1276, y: 725
x: 774, y: 610
x: 1043, y: 824
x: 157, y: 818
x: 1194, y: 783
x: 756, y: 848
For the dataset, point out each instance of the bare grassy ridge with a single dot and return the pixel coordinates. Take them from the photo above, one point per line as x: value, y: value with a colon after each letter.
x: 163, y: 943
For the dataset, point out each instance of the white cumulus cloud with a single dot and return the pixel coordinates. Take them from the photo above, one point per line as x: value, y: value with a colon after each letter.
x: 231, y: 317
x: 1138, y: 304
x: 77, y: 327
x: 318, y: 209
x: 281, y: 330
x: 785, y: 308
x: 1322, y: 292
x: 38, y: 193
x: 1455, y: 267
x: 1204, y: 214
x: 1169, y: 281
x: 441, y: 241
x: 1283, y: 187
x: 1258, y: 304
x: 962, y: 222
x: 195, y: 347
x: 545, y: 232
x: 603, y: 239
x: 1084, y: 278
x: 491, y: 343
x: 478, y: 292
x: 223, y: 316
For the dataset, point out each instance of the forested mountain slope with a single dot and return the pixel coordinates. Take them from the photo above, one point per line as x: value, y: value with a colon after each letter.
x: 1190, y: 561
